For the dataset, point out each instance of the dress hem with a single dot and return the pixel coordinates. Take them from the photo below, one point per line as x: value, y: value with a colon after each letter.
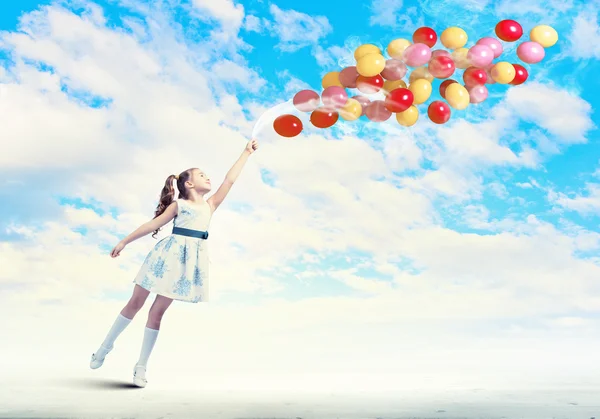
x: 175, y: 297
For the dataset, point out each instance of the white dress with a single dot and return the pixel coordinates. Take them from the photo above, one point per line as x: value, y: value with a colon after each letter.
x: 177, y: 267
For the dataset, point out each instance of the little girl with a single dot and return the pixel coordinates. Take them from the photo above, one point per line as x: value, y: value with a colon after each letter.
x: 177, y: 267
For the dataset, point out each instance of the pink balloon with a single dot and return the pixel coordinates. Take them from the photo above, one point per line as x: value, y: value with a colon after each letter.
x: 348, y: 77
x: 480, y: 55
x: 306, y: 100
x: 478, y: 93
x: 364, y: 103
x: 531, y: 52
x: 334, y: 97
x: 417, y: 55
x: 438, y: 52
x: 488, y: 72
x: 394, y: 70
x: 493, y: 44
x: 377, y: 112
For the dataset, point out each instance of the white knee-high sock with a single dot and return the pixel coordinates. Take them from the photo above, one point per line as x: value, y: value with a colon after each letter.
x: 150, y: 336
x: 118, y: 326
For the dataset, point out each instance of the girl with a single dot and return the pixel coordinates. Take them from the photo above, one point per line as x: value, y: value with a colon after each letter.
x: 177, y: 267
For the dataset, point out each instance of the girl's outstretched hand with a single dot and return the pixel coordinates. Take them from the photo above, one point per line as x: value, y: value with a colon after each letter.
x: 117, y: 250
x: 252, y: 146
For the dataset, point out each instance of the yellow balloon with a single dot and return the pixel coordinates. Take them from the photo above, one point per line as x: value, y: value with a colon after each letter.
x: 365, y: 49
x: 421, y: 90
x: 409, y: 117
x: 457, y: 96
x: 396, y: 48
x: 454, y: 37
x: 390, y: 85
x: 544, y: 35
x: 503, y: 72
x: 331, y: 79
x: 351, y: 111
x: 459, y: 56
x: 370, y: 65
x: 420, y: 73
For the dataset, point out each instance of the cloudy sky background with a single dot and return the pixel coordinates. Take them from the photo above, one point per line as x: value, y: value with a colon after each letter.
x: 465, y: 254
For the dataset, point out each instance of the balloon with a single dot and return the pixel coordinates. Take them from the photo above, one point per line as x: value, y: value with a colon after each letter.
x: 365, y: 49
x: 399, y: 100
x: 503, y: 72
x: 531, y: 52
x: 444, y: 86
x: 544, y: 35
x: 478, y: 93
x: 377, y: 111
x: 370, y: 65
x: 306, y: 100
x: 425, y: 35
x: 454, y: 37
x: 409, y: 117
x: 421, y: 90
x: 287, y: 125
x: 323, y: 117
x: 369, y: 85
x: 438, y: 112
x: 420, y: 73
x: 480, y: 55
x: 438, y: 52
x: 441, y: 67
x: 334, y: 97
x: 394, y: 70
x: 352, y: 110
x: 460, y: 58
x: 488, y: 72
x: 417, y: 55
x: 390, y: 85
x: 348, y: 77
x: 364, y: 102
x: 493, y: 43
x: 509, y: 30
x: 474, y: 76
x: 395, y: 49
x: 457, y: 96
x: 331, y: 79
x: 521, y: 75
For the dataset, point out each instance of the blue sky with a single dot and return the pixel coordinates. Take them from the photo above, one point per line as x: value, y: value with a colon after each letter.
x: 254, y: 54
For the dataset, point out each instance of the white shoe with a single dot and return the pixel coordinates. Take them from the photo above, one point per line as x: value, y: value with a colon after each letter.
x: 96, y: 361
x: 139, y: 376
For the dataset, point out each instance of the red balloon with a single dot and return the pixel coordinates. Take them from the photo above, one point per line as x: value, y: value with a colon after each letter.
x: 306, y: 100
x: 474, y: 76
x: 323, y: 117
x: 369, y: 85
x: 441, y: 66
x: 377, y: 111
x: 399, y: 100
x: 425, y: 35
x: 439, y: 112
x: 444, y: 86
x: 287, y: 125
x: 509, y: 30
x: 521, y: 74
x: 364, y: 103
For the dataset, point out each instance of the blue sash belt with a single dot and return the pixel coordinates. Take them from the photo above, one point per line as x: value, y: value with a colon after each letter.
x: 190, y: 233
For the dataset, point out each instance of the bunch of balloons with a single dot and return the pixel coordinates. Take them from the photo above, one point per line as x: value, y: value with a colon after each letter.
x: 374, y: 73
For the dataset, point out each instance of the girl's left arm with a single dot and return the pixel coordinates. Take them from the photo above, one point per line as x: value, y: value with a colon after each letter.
x: 218, y: 197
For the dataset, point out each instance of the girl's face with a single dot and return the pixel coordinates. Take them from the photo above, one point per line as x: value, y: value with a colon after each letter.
x: 200, y: 180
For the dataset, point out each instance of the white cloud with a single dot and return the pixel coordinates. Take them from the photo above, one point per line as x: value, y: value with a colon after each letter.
x: 584, y: 40
x: 227, y: 12
x: 588, y: 203
x: 253, y: 23
x: 296, y: 30
x: 393, y: 13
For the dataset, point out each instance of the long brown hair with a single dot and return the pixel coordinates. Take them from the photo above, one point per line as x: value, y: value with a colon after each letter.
x: 167, y: 195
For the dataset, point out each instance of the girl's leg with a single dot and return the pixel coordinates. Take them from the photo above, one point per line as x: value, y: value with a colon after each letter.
x: 160, y: 305
x: 134, y: 305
